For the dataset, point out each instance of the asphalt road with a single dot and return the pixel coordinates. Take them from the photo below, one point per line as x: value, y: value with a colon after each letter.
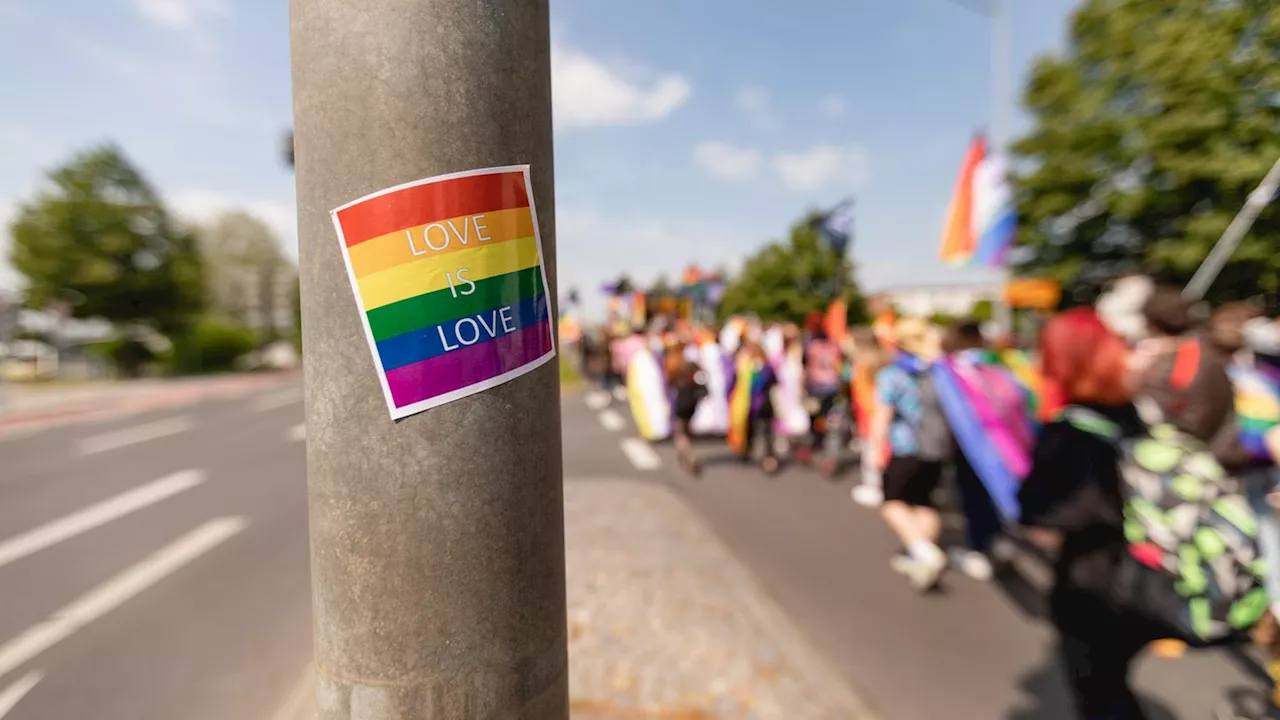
x: 154, y: 567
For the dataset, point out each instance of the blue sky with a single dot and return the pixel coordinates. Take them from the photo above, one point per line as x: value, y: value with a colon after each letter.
x: 687, y: 130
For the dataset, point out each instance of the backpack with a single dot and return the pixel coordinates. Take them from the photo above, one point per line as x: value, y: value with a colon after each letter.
x: 933, y: 433
x: 1193, y: 560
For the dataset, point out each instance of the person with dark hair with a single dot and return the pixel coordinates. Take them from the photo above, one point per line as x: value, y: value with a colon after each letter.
x: 1072, y: 501
x: 1181, y: 377
x: 685, y: 379
x: 982, y: 519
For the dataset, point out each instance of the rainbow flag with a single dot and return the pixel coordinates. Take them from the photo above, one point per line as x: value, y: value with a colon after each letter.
x: 981, y: 220
x: 1257, y: 402
x: 448, y: 276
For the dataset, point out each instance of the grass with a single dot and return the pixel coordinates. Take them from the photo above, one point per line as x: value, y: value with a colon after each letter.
x: 570, y: 378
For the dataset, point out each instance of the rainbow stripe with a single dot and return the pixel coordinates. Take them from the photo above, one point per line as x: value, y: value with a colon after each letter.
x: 981, y: 221
x: 448, y: 275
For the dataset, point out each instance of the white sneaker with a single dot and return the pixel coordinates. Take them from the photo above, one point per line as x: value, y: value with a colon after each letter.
x: 924, y: 574
x: 867, y: 495
x: 901, y: 563
x: 972, y: 563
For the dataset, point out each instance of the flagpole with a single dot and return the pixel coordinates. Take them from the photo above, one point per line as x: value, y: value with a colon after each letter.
x: 1226, y: 245
x: 1002, y: 120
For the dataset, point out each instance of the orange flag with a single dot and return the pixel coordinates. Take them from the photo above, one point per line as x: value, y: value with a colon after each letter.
x: 958, y: 241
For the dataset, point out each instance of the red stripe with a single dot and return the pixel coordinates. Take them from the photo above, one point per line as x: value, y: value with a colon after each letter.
x: 428, y: 203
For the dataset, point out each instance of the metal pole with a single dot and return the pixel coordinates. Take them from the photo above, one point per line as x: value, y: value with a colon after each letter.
x: 437, y: 543
x: 1001, y: 118
x: 1235, y: 232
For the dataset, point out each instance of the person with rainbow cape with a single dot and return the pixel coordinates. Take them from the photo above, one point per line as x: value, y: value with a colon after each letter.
x: 991, y: 414
x: 750, y: 405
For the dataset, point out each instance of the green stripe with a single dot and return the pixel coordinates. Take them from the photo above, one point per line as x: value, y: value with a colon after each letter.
x: 441, y: 306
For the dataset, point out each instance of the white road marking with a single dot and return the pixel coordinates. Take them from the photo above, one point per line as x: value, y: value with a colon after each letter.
x: 13, y: 694
x: 115, y: 592
x: 612, y: 421
x: 640, y: 454
x: 296, y: 702
x: 597, y: 399
x: 52, y: 533
x: 133, y: 435
x: 277, y: 400
x: 298, y: 432
x: 620, y: 394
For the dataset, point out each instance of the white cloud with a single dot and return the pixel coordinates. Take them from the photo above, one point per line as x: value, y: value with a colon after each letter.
x: 834, y: 106
x: 586, y: 92
x: 822, y: 167
x: 754, y: 101
x: 727, y: 161
x: 180, y: 14
x: 200, y: 206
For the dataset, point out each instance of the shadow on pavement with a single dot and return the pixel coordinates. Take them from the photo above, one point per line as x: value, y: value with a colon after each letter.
x: 1046, y: 697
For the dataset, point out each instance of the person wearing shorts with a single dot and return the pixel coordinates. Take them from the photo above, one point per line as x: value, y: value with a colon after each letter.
x: 909, y: 478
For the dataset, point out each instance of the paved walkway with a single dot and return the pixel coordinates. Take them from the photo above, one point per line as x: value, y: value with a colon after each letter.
x: 664, y: 622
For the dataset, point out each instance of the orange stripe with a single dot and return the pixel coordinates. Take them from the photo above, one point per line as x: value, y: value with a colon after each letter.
x: 958, y: 242
x: 397, y: 248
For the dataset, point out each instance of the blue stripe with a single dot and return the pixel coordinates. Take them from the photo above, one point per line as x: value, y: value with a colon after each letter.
x: 997, y: 239
x: 431, y: 342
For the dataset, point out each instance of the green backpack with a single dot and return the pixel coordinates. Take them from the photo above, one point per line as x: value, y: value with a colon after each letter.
x: 1193, y: 560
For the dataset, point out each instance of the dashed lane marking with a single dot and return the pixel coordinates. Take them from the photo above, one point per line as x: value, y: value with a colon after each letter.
x: 597, y: 399
x: 612, y: 421
x: 67, y: 527
x: 640, y: 454
x: 13, y: 694
x: 115, y: 592
x: 134, y: 435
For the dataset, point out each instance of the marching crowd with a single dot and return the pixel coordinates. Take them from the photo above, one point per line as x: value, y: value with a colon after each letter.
x: 1136, y: 441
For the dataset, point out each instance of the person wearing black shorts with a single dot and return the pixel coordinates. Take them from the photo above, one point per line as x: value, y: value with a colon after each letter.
x: 913, y: 471
x: 912, y: 481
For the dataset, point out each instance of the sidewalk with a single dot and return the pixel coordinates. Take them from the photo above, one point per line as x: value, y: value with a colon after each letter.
x: 29, y: 407
x: 665, y: 623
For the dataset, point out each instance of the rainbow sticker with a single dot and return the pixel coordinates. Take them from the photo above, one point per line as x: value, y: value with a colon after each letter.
x: 449, y: 279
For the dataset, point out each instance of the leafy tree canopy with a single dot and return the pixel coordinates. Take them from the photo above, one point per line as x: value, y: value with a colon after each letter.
x: 99, y: 238
x: 786, y: 281
x: 1150, y: 131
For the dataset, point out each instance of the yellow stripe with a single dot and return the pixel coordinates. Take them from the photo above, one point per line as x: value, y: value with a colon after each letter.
x: 392, y: 249
x: 428, y: 274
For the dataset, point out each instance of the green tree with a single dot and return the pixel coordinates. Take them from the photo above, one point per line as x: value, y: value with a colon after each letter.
x: 786, y: 281
x: 246, y: 268
x: 99, y: 234
x: 1150, y: 131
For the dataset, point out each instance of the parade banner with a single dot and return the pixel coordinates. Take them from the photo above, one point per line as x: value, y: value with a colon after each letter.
x: 449, y: 279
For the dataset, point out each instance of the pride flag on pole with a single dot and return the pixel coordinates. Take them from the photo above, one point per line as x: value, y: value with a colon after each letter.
x: 448, y: 276
x: 980, y: 220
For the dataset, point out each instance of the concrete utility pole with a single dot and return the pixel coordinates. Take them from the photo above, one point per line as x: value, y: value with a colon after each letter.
x: 437, y: 543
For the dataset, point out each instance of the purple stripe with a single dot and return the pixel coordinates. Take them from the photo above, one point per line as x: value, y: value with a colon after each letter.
x: 460, y: 368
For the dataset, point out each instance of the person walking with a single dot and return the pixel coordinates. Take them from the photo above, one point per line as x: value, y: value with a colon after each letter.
x: 910, y: 477
x: 684, y: 377
x: 1071, y: 502
x: 751, y: 406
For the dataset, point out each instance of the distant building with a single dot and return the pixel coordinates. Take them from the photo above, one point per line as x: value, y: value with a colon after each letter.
x: 953, y: 300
